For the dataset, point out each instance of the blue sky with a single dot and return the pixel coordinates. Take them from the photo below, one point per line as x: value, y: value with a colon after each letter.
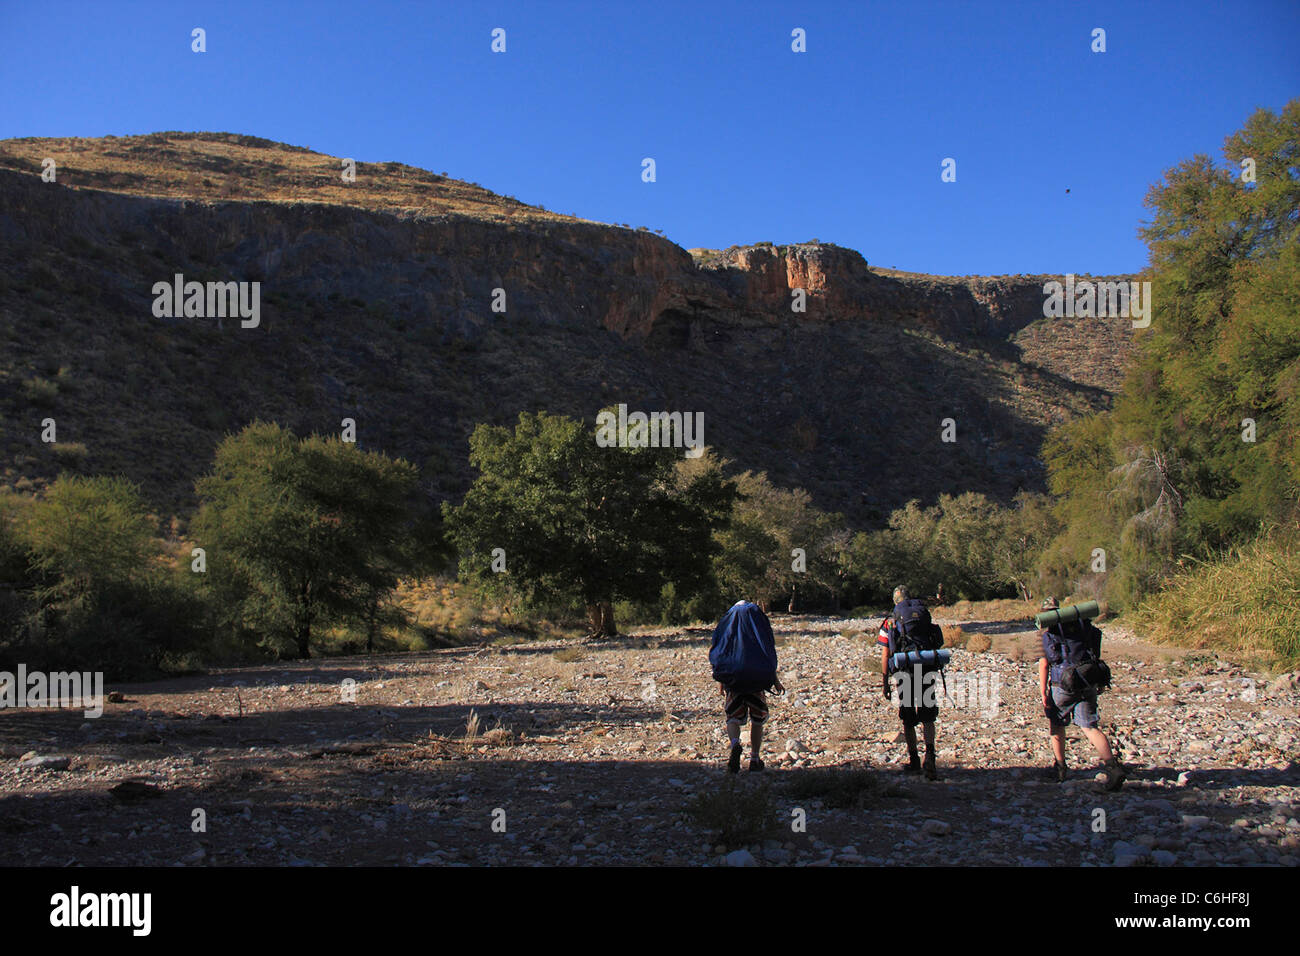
x: 752, y: 141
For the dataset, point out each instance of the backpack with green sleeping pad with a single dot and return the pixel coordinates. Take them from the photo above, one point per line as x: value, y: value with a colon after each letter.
x: 1083, y: 672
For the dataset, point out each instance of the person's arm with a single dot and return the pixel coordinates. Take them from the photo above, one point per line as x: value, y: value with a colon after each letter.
x: 884, y: 670
x: 1042, y: 682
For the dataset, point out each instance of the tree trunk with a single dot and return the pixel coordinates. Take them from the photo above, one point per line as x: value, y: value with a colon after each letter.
x: 600, y: 617
x: 370, y: 627
x: 303, y: 640
x: 790, y: 610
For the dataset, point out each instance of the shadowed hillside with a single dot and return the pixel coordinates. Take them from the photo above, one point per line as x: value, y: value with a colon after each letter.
x: 376, y: 304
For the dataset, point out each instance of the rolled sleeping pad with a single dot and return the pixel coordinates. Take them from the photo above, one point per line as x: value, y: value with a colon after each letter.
x: 1071, y: 612
x: 939, y: 657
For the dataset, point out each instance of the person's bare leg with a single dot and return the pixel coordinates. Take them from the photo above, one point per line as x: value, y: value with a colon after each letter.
x: 1099, y: 743
x: 755, y: 737
x: 909, y: 731
x: 928, y: 766
x: 733, y: 732
x: 1057, y: 736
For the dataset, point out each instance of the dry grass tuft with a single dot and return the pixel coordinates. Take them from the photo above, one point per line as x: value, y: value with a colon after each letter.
x: 1245, y: 604
x: 848, y: 728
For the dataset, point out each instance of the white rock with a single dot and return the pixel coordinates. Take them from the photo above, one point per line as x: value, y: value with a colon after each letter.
x: 45, y: 762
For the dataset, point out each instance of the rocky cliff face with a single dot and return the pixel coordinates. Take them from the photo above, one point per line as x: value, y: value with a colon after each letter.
x: 386, y: 315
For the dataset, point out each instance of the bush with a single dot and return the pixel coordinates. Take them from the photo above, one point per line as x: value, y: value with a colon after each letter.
x: 978, y: 643
x: 1245, y: 602
x: 737, y: 814
x: 40, y: 391
x: 69, y: 452
x: 840, y: 787
x: 954, y: 636
x: 96, y: 597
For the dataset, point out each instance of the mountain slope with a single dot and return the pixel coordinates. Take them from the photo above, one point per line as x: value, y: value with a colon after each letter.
x: 376, y: 304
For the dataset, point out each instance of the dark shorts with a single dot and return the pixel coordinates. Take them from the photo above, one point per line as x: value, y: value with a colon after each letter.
x: 752, y: 706
x: 1065, y: 709
x: 911, y: 716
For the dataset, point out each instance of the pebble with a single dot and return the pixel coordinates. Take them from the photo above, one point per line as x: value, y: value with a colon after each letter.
x: 33, y: 761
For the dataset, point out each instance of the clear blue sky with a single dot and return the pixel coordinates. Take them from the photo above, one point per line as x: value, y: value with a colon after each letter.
x: 753, y: 142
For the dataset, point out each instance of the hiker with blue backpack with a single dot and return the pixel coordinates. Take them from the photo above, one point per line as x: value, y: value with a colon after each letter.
x: 743, y: 658
x: 911, y: 652
x: 1071, y: 674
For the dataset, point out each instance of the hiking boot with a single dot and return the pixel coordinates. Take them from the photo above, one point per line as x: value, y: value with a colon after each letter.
x: 733, y: 762
x: 1115, y: 774
x: 930, y: 772
x: 1056, y: 772
x: 913, y: 764
x: 755, y: 765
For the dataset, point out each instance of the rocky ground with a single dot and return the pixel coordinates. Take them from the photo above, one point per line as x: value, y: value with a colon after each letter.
x: 612, y: 754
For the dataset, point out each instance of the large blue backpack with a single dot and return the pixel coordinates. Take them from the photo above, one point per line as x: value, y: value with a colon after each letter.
x: 914, y: 629
x: 743, y: 654
x: 1082, y: 671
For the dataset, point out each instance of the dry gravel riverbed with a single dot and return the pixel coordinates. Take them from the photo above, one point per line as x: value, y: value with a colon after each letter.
x: 595, y: 753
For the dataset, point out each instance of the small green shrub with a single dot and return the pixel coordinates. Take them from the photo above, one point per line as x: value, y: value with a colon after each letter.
x: 40, y: 391
x: 737, y: 814
x: 839, y: 787
x: 69, y: 452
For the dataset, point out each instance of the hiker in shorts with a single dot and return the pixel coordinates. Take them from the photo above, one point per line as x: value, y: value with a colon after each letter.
x: 913, y: 709
x: 1062, y: 709
x: 739, y: 707
x: 746, y: 700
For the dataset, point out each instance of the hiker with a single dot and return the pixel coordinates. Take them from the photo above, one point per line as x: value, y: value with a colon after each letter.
x: 1067, y: 645
x: 743, y: 657
x: 910, y: 632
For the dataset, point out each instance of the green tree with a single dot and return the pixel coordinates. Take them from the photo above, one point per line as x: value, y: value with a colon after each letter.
x: 97, y: 582
x: 580, y: 522
x: 757, y: 546
x: 87, y: 536
x: 1026, y: 531
x: 303, y: 532
x: 1172, y: 469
